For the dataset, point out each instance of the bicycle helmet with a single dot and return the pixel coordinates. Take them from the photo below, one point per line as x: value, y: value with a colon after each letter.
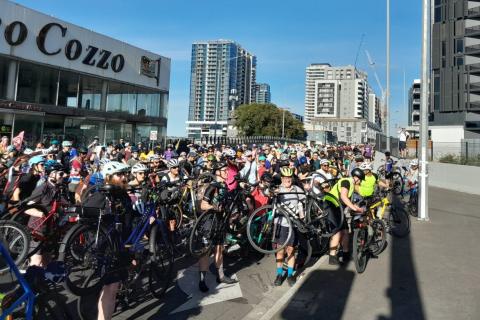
x: 303, y: 160
x: 114, y: 167
x: 267, y: 177
x: 219, y: 165
x: 36, y: 160
x: 324, y: 161
x: 96, y: 179
x: 230, y: 153
x: 357, y: 172
x: 283, y: 157
x: 286, y: 172
x: 52, y: 165
x: 153, y: 157
x: 211, y: 157
x: 366, y: 166
x: 172, y: 163
x: 139, y: 167
x: 414, y: 163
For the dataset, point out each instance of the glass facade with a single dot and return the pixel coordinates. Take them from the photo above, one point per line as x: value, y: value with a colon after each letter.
x: 49, y: 86
x: 4, y: 63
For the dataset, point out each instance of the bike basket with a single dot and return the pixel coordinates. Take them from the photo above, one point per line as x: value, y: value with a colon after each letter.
x: 89, y: 212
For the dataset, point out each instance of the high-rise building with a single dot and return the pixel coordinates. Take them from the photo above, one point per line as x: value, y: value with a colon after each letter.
x: 336, y: 99
x: 414, y: 104
x: 262, y: 93
x: 374, y: 108
x: 219, y: 69
x: 455, y: 94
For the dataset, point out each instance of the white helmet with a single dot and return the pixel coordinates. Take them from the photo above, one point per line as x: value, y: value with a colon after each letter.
x: 229, y: 153
x: 113, y: 167
x: 414, y: 162
x: 172, y: 163
x: 153, y: 157
x: 139, y: 167
x: 366, y: 166
x: 103, y: 161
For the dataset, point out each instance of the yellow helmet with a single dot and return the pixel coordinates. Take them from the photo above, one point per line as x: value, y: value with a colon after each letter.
x: 286, y: 172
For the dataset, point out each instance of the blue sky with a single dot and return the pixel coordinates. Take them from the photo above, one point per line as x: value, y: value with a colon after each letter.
x: 286, y: 36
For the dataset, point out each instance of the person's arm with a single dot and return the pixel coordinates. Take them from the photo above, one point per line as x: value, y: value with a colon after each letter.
x: 346, y: 200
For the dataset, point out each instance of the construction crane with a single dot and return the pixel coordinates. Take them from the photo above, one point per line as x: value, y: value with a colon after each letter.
x: 372, y: 65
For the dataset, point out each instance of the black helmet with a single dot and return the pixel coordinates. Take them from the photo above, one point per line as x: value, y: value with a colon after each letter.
x: 219, y: 165
x: 267, y: 177
x: 82, y: 150
x: 387, y: 153
x: 52, y: 165
x: 357, y: 172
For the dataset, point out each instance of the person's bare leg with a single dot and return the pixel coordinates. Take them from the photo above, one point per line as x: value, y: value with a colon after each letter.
x: 106, y: 302
x: 334, y: 242
x: 203, y: 263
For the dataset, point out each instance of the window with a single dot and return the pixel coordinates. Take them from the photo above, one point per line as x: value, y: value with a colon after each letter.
x: 31, y: 124
x: 6, y: 122
x: 121, y: 98
x: 4, y: 64
x: 459, y: 46
x: 37, y: 84
x: 90, y: 93
x: 438, y: 2
x: 82, y: 131
x: 68, y: 89
x: 438, y: 14
x: 53, y: 128
x: 459, y: 61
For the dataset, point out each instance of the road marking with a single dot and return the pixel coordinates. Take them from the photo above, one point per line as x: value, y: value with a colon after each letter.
x: 188, y: 282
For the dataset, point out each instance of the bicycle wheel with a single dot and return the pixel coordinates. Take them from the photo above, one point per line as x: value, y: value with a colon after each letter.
x: 85, y: 257
x: 399, y: 221
x: 317, y: 216
x: 203, y: 233
x: 397, y: 183
x: 87, y: 306
x: 263, y: 232
x: 161, y: 262
x: 379, y: 238
x: 16, y: 239
x: 413, y: 204
x: 360, y: 250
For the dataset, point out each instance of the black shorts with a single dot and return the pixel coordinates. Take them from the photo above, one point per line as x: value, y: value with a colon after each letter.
x: 335, y: 216
x: 118, y: 272
x: 281, y: 236
x: 402, y: 145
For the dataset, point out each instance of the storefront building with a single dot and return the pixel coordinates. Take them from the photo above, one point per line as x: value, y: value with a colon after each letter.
x: 61, y: 81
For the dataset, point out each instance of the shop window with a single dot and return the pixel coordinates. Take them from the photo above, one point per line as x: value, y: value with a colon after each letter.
x: 68, y: 89
x: 121, y: 98
x: 37, y: 84
x: 52, y: 128
x: 148, y: 104
x: 6, y: 124
x: 4, y: 64
x: 115, y: 131
x: 32, y: 125
x: 82, y: 131
x: 90, y: 93
x: 142, y: 133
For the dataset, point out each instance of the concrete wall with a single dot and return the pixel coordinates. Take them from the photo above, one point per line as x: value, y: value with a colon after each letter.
x: 455, y: 177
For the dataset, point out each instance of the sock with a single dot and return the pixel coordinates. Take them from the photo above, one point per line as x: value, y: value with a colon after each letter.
x: 203, y: 274
x: 279, y: 271
x: 220, y: 271
x: 290, y: 271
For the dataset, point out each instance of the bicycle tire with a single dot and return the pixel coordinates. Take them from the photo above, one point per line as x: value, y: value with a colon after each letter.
x: 359, y: 249
x: 87, y: 306
x: 413, y: 204
x: 16, y: 239
x: 379, y: 238
x: 399, y: 221
x: 317, y: 217
x: 201, y: 238
x: 397, y: 183
x: 161, y: 262
x: 268, y: 230
x: 85, y: 235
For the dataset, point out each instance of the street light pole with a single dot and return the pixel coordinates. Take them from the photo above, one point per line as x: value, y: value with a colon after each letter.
x: 387, y: 94
x: 217, y: 99
x: 423, y: 190
x: 283, y: 124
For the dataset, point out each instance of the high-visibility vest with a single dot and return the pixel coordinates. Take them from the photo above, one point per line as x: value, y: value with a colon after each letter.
x: 367, y: 187
x: 334, y: 195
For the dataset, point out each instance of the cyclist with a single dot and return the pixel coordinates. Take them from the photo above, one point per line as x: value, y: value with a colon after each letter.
x: 115, y: 174
x: 294, y: 202
x: 367, y: 186
x: 134, y: 158
x: 322, y: 177
x: 212, y: 200
x: 138, y: 171
x: 388, y: 162
x: 63, y: 157
x: 412, y: 173
x: 43, y: 195
x: 28, y: 182
x: 337, y: 198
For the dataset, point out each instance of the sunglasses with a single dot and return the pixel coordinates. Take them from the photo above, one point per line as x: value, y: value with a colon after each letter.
x: 141, y: 173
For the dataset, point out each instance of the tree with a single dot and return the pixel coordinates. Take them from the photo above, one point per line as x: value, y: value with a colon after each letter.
x: 266, y: 120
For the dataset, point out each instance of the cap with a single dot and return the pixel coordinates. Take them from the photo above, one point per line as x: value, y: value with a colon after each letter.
x: 262, y: 158
x: 66, y: 143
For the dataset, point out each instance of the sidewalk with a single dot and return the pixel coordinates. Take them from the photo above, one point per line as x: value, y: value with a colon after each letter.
x: 432, y: 274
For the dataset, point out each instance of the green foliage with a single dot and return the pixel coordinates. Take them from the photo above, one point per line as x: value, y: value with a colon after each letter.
x: 266, y: 120
x: 456, y: 159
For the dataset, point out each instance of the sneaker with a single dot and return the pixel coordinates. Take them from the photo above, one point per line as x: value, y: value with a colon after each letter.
x: 333, y: 260
x: 291, y: 281
x: 202, y: 286
x: 226, y: 280
x: 278, y: 280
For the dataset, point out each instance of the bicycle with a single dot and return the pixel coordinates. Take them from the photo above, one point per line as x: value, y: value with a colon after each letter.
x: 93, y: 247
x: 394, y: 176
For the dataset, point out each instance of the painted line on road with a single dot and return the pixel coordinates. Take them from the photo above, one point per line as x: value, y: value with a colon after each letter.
x: 271, y: 304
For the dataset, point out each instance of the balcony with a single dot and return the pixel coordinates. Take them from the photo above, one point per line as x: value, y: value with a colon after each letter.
x: 474, y: 68
x: 473, y: 12
x: 475, y: 87
x: 473, y: 31
x: 473, y: 50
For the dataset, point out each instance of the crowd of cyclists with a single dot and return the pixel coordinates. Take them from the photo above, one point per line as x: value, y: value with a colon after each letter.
x: 341, y: 177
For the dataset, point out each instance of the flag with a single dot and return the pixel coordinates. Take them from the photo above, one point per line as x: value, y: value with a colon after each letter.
x: 18, y: 141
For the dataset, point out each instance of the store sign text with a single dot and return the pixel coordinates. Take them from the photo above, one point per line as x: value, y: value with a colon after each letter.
x: 16, y: 33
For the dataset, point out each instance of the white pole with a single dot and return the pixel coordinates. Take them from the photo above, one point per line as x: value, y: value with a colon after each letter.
x: 387, y: 94
x: 423, y: 190
x: 283, y: 124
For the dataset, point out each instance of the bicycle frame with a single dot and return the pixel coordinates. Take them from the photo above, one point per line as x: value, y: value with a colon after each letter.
x: 384, y: 203
x: 28, y: 297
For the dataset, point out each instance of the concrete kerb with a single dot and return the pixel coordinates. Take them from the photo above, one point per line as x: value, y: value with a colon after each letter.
x: 274, y: 301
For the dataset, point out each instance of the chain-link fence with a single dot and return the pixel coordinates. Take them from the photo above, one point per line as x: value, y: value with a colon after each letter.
x: 466, y: 152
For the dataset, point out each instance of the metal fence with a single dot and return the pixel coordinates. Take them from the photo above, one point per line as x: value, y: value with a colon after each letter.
x: 465, y: 152
x: 381, y: 144
x: 210, y: 140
